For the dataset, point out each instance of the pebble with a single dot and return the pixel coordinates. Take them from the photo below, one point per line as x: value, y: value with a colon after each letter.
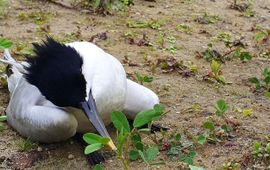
x: 39, y: 149
x: 70, y: 156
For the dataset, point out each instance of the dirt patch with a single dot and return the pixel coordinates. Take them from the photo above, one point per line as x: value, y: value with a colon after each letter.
x: 162, y: 38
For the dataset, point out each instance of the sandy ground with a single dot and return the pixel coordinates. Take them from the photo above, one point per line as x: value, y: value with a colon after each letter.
x: 178, y: 93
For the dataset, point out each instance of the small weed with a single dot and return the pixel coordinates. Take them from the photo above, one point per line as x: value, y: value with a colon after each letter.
x: 98, y: 167
x: 154, y: 24
x: 231, y: 166
x: 2, y: 119
x: 25, y: 145
x: 127, y: 135
x: 262, y: 151
x: 5, y: 43
x: 209, y: 54
x: 221, y: 107
x: 215, y: 132
x: 207, y: 19
x: 263, y: 84
x: 249, y: 12
x: 39, y: 18
x: 224, y: 37
x: 143, y: 79
x: 184, y: 28
x: 242, y: 54
x: 216, y: 73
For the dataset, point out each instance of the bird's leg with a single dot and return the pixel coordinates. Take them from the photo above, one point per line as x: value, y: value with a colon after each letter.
x: 93, y: 158
x: 154, y: 127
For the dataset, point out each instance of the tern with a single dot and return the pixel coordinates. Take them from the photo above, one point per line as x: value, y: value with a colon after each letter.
x: 69, y: 88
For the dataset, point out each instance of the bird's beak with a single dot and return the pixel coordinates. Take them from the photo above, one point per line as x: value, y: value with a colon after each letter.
x: 91, y: 112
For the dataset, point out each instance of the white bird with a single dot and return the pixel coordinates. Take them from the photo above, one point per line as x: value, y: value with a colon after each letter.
x: 57, y: 92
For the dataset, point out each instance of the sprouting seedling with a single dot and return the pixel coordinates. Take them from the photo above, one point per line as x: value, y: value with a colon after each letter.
x: 264, y: 83
x: 126, y: 134
x: 216, y: 72
x: 243, y: 55
x: 221, y: 107
x: 2, y: 119
x: 143, y: 79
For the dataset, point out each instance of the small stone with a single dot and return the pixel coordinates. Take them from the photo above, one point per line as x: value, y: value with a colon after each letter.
x: 39, y: 149
x: 70, y: 156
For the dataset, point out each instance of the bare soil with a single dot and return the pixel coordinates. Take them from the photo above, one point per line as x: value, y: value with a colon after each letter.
x: 177, y: 92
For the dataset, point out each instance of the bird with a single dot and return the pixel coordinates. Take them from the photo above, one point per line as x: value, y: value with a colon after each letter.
x: 70, y: 88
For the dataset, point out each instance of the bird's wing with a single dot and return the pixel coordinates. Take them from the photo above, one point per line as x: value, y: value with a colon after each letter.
x: 138, y: 98
x: 33, y: 117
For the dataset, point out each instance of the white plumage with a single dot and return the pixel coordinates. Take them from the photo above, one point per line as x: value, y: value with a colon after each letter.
x: 33, y: 116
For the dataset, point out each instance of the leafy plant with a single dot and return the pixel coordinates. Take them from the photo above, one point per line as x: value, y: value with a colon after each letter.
x: 231, y: 166
x: 143, y: 79
x: 243, y: 55
x: 154, y: 24
x: 2, y: 119
x: 207, y: 19
x: 25, y: 145
x: 184, y: 28
x: 216, y: 72
x: 264, y: 83
x: 221, y: 107
x: 126, y: 134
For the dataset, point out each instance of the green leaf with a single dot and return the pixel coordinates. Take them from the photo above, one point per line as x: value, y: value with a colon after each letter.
x: 226, y: 128
x: 267, y: 80
x: 92, y: 148
x: 191, y: 167
x: 96, y: 4
x: 139, y: 146
x: 245, y: 56
x: 221, y: 107
x: 192, y: 154
x: 98, y: 167
x: 120, y: 121
x: 247, y: 112
x: 259, y: 36
x: 159, y: 108
x: 201, y: 139
x: 145, y: 117
x: 177, y: 137
x: 267, y: 148
x: 136, y: 138
x: 215, y: 67
x: 209, y: 125
x: 3, y: 118
x: 92, y: 138
x: 142, y: 156
x: 148, y: 79
x: 5, y: 43
x: 255, y: 81
x: 134, y: 155
x: 152, y: 153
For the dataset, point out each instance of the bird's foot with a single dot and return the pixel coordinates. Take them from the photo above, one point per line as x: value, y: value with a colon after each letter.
x: 95, y: 158
x: 158, y: 128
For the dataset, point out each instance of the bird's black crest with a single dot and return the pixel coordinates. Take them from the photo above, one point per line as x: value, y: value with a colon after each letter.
x: 56, y: 70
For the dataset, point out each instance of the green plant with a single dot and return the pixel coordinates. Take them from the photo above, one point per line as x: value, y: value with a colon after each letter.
x: 5, y: 43
x: 154, y: 24
x: 184, y: 28
x: 207, y: 19
x: 264, y: 83
x: 2, y: 119
x: 216, y: 73
x: 127, y: 136
x: 221, y: 107
x: 231, y: 166
x: 25, y: 145
x: 215, y: 131
x: 143, y: 79
x: 262, y: 151
x: 243, y: 55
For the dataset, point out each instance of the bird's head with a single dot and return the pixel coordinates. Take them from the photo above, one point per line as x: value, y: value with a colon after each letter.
x: 56, y: 70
